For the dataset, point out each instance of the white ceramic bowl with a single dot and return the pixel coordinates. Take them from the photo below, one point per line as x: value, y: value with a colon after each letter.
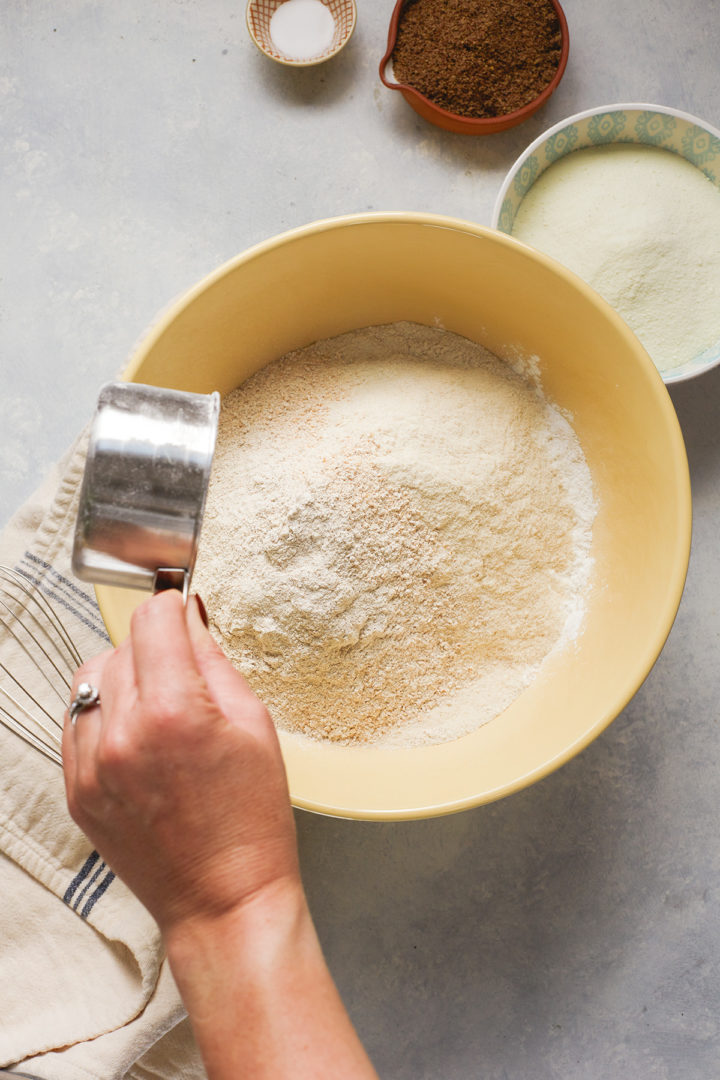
x: 650, y: 125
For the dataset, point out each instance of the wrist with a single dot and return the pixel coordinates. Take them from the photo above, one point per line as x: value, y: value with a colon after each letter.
x: 246, y: 945
x: 259, y: 994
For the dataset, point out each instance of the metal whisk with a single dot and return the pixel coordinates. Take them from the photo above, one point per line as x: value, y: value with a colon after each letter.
x: 38, y: 652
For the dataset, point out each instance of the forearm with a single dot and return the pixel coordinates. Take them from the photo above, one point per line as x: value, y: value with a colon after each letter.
x: 260, y: 997
x: 179, y: 759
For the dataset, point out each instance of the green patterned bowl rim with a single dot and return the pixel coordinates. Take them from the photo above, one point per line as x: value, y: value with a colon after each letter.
x: 651, y: 125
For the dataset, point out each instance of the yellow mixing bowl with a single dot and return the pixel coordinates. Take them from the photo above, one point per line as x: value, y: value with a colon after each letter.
x: 337, y: 275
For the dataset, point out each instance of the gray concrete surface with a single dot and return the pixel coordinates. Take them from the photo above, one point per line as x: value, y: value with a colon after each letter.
x: 573, y: 930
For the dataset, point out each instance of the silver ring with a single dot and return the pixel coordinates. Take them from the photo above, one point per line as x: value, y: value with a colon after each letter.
x: 85, y: 698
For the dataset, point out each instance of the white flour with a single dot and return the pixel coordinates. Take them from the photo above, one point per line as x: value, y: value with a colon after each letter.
x: 642, y: 226
x: 397, y: 534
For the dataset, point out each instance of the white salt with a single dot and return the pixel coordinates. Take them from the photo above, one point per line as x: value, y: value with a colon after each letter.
x: 302, y: 29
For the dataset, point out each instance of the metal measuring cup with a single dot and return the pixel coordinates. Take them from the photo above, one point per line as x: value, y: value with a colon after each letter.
x: 144, y: 487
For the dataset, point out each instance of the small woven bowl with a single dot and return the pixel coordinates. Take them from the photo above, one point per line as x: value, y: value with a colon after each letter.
x: 465, y: 125
x: 259, y: 13
x: 651, y: 125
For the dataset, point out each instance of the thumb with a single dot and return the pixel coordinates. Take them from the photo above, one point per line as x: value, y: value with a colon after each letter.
x: 227, y: 687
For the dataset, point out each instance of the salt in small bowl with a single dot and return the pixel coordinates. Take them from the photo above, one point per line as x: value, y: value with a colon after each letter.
x: 259, y: 13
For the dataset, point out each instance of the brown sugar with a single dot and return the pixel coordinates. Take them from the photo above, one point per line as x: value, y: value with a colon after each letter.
x: 478, y: 58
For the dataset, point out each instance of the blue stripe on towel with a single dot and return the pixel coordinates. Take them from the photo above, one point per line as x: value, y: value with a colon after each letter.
x: 93, y: 872
x: 94, y: 897
x: 78, y: 594
x: 75, y: 905
x: 93, y: 623
x: 80, y: 876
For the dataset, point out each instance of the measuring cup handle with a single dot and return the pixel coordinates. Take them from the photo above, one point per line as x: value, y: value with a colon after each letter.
x: 168, y: 577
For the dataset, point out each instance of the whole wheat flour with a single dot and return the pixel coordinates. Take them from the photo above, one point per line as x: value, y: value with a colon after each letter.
x: 397, y: 534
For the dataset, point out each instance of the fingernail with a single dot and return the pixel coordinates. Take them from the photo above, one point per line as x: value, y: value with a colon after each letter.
x: 202, y: 610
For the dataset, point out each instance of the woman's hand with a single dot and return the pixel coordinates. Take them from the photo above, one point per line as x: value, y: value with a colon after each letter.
x: 177, y: 776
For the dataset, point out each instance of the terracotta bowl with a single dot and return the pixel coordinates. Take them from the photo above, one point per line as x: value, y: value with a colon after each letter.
x: 464, y: 125
x: 259, y: 13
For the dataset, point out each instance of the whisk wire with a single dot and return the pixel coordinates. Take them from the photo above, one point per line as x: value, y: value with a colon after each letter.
x: 41, y: 630
x: 39, y: 642
x: 31, y: 657
x: 28, y: 736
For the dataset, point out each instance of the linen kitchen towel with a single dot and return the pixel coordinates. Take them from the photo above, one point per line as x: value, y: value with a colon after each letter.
x: 85, y: 990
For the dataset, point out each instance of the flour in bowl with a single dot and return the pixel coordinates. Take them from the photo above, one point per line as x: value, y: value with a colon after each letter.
x: 397, y: 535
x: 642, y: 226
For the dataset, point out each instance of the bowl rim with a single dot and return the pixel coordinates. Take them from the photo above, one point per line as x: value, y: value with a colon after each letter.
x: 475, y: 125
x: 634, y: 106
x: 287, y: 61
x: 654, y: 643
